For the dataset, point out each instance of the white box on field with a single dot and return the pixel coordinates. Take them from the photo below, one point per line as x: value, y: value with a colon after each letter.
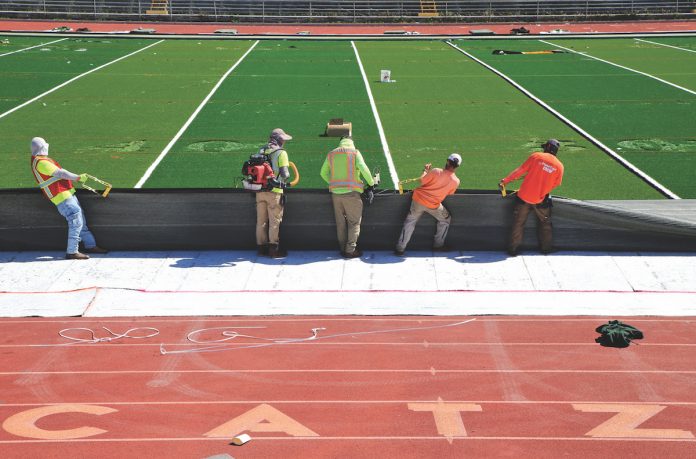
x: 385, y: 76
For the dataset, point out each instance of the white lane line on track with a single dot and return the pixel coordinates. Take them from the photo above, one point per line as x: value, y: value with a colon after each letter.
x: 24, y: 104
x: 354, y: 438
x: 620, y: 159
x: 352, y: 402
x: 188, y: 122
x: 358, y: 370
x: 380, y: 129
x: 32, y: 47
x: 582, y: 53
x: 666, y: 45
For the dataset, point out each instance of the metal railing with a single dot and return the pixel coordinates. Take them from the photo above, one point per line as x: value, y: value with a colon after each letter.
x: 341, y: 10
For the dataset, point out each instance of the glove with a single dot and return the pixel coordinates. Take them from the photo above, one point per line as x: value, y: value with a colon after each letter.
x: 83, y: 178
x: 369, y: 195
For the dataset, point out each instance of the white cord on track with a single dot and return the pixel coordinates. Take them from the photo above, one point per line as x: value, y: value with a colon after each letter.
x: 132, y: 333
x: 230, y: 333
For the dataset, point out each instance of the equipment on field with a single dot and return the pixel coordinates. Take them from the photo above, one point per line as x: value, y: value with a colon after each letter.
x: 519, y: 31
x: 385, y: 76
x: 402, y: 182
x: 504, y: 192
x: 550, y: 51
x: 258, y: 174
x: 617, y: 334
x: 4, y: 42
x: 368, y: 195
x: 377, y: 176
x: 336, y: 127
x: 104, y: 193
x: 295, y: 173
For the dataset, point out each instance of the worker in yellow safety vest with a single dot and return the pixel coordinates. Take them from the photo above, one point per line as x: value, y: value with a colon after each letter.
x: 56, y: 184
x: 342, y: 170
x: 271, y: 204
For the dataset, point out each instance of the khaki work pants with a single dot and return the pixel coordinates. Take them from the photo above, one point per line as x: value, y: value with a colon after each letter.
x: 348, y: 209
x: 269, y: 215
x: 544, y: 226
x: 416, y: 211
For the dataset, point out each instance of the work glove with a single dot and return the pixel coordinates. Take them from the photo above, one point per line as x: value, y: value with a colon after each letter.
x: 83, y: 178
x: 369, y: 195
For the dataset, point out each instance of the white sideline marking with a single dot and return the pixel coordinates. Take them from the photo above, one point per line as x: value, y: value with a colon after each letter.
x: 31, y: 47
x: 623, y: 161
x: 380, y: 129
x: 621, y: 67
x: 12, y: 110
x: 188, y: 122
x: 668, y: 46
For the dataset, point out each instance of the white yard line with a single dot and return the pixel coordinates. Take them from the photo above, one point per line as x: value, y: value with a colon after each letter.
x: 12, y: 110
x: 623, y: 161
x: 188, y: 122
x: 668, y: 46
x: 31, y: 47
x: 380, y: 129
x: 621, y: 67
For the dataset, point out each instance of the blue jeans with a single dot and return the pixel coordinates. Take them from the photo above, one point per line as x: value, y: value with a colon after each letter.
x: 77, y: 225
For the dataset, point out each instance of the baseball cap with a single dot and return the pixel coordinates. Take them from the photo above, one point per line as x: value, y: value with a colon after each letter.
x: 279, y: 133
x: 455, y: 159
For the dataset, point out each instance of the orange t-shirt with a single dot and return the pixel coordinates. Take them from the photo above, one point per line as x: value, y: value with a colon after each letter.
x: 436, y: 185
x: 544, y: 172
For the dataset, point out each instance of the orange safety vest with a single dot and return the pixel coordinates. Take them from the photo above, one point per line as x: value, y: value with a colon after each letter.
x: 51, y: 186
x: 343, y: 174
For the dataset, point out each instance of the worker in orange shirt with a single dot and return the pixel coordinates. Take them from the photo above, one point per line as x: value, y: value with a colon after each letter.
x: 542, y: 173
x: 436, y: 185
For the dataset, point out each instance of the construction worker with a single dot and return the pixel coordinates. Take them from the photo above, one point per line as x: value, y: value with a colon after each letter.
x: 56, y: 184
x: 542, y: 173
x: 436, y: 185
x: 270, y: 204
x: 342, y: 170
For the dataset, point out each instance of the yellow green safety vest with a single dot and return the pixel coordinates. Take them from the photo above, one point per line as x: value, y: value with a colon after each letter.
x: 344, y: 173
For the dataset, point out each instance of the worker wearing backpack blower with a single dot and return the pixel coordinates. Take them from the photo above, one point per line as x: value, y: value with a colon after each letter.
x: 270, y: 203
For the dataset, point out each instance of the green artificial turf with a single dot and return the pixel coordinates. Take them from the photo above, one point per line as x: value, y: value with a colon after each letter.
x: 114, y: 122
x: 673, y: 65
x: 648, y: 122
x: 444, y: 102
x: 29, y: 73
x: 297, y: 86
x: 17, y: 43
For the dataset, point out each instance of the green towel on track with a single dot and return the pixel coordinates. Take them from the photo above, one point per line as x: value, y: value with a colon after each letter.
x: 617, y: 334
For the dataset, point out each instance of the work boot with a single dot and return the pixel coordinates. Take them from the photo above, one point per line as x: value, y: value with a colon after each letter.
x: 357, y: 253
x: 274, y: 251
x: 76, y: 256
x: 95, y: 249
x: 442, y: 248
x: 399, y: 253
x: 263, y: 250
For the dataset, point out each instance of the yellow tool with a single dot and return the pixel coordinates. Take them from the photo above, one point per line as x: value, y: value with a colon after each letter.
x: 402, y: 182
x: 107, y: 186
x: 504, y: 191
x: 296, y: 175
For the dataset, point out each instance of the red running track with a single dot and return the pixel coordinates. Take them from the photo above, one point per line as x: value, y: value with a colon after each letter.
x: 355, y: 29
x: 495, y: 386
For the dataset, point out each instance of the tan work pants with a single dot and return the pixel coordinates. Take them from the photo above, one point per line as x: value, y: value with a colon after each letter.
x: 269, y: 215
x: 416, y: 211
x: 348, y: 209
x: 544, y: 227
